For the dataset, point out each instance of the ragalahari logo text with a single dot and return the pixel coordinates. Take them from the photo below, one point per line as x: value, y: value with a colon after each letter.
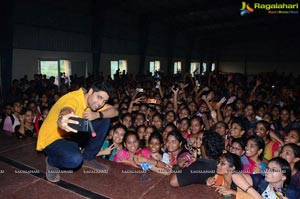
x: 246, y: 9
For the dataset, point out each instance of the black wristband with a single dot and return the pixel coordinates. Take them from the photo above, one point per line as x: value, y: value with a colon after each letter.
x: 100, y: 115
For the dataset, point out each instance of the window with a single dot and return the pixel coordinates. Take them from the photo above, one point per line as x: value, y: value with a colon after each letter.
x: 118, y: 66
x: 62, y: 69
x: 154, y: 66
x: 195, y: 68
x: 213, y: 67
x: 177, y: 67
x: 204, y: 68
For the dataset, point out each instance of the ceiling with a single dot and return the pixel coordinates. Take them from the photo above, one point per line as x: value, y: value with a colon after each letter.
x: 216, y: 19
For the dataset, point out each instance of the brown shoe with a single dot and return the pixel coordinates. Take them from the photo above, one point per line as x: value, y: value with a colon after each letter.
x: 94, y: 164
x: 52, y: 173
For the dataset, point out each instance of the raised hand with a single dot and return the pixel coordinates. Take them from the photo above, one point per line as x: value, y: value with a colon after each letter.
x: 107, y: 151
x: 231, y: 99
x: 219, y: 104
x: 174, y: 90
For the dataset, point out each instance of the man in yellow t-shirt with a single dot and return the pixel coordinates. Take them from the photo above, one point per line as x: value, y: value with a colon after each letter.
x: 60, y: 142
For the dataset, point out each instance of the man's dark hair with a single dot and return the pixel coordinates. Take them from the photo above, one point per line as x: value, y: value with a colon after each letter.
x: 214, y: 144
x: 102, y: 86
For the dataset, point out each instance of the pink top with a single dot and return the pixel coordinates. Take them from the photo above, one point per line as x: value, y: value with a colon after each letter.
x: 123, y: 154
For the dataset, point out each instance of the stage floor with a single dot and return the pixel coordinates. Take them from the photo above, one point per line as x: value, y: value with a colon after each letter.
x: 22, y: 175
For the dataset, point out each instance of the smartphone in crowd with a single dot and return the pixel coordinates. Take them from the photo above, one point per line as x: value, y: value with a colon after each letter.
x: 140, y: 90
x: 82, y: 126
x: 151, y: 101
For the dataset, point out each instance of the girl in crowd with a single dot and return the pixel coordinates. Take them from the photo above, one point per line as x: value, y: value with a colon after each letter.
x: 141, y: 133
x: 140, y: 119
x: 228, y: 112
x: 44, y: 114
x: 168, y: 128
x: 292, y: 137
x: 44, y: 101
x: 283, y: 125
x: 237, y: 130
x: 6, y: 111
x: 222, y: 129
x: 148, y: 131
x: 155, y: 162
x: 170, y: 116
x: 291, y: 153
x: 228, y: 164
x: 36, y: 114
x: 183, y: 126
x: 111, y: 147
x: 275, y: 184
x: 126, y: 120
x: 11, y: 121
x: 195, y: 126
x: 263, y: 130
x: 193, y: 108
x: 252, y: 161
x: 169, y: 107
x: 249, y: 116
x: 157, y: 121
x: 131, y: 148
x: 184, y: 112
x: 194, y: 143
x: 26, y: 127
x: 155, y: 146
x: 238, y: 146
x: 275, y: 110
x: 239, y: 106
x: 174, y: 147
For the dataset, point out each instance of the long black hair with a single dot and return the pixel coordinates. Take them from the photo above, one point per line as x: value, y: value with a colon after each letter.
x: 285, y: 170
x: 158, y: 136
x: 260, y: 144
x: 296, y: 150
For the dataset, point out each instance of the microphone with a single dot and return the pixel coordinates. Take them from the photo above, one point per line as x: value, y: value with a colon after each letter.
x: 93, y: 133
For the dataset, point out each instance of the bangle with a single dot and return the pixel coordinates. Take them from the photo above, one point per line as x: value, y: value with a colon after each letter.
x: 156, y: 163
x: 246, y: 190
x: 100, y: 115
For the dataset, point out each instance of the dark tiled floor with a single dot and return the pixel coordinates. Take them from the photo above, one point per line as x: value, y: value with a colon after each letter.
x: 18, y: 156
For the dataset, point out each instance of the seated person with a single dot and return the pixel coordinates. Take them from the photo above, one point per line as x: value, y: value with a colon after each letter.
x: 131, y: 148
x: 112, y: 146
x: 175, y: 156
x: 228, y: 164
x: 205, y: 167
x: 252, y: 160
x: 275, y: 184
x: 291, y: 153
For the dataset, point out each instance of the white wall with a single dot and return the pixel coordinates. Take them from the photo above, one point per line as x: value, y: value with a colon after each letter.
x: 25, y: 62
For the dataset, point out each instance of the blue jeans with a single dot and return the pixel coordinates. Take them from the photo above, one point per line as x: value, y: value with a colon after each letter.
x: 65, y: 153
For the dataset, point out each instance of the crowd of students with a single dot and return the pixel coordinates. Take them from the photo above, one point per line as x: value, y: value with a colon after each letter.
x: 245, y: 130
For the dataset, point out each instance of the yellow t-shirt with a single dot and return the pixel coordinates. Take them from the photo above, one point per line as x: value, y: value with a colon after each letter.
x: 49, y: 131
